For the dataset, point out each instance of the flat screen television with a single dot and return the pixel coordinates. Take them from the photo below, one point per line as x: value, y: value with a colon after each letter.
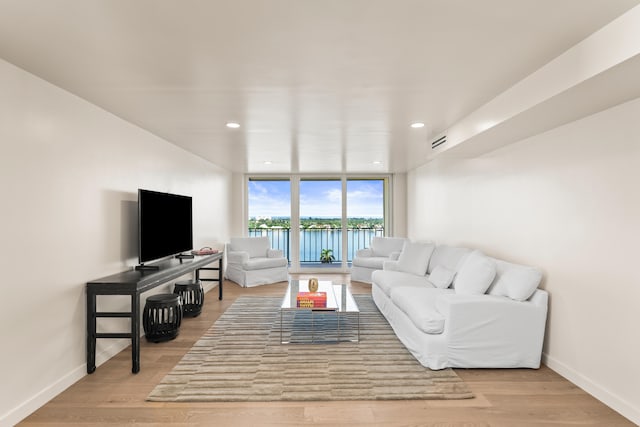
x: 165, y: 225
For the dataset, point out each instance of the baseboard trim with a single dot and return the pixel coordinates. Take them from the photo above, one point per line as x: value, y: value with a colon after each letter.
x: 22, y: 411
x: 610, y: 399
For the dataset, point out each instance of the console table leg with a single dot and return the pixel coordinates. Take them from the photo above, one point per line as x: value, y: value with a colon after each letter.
x: 135, y: 333
x: 220, y: 279
x: 91, y: 332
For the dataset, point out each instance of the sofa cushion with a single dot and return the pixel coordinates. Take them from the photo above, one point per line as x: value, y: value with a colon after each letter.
x: 415, y: 257
x: 263, y: 262
x: 475, y: 275
x: 419, y: 304
x: 441, y: 277
x: 385, y: 246
x: 255, y: 246
x: 515, y: 281
x: 449, y: 257
x: 389, y: 279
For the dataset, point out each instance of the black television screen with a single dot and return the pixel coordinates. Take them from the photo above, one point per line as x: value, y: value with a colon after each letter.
x: 164, y: 225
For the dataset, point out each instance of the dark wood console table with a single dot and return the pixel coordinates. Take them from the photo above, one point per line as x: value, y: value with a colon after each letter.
x: 134, y: 283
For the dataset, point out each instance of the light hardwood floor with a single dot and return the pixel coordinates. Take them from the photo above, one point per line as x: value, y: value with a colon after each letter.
x: 504, y: 397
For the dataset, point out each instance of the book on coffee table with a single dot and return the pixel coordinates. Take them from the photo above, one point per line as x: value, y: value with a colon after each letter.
x: 311, y: 300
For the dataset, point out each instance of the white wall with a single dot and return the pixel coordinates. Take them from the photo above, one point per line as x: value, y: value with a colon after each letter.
x: 399, y: 205
x: 567, y: 201
x: 238, y: 200
x: 69, y: 178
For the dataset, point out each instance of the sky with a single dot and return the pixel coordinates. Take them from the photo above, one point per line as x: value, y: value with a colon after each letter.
x: 317, y: 198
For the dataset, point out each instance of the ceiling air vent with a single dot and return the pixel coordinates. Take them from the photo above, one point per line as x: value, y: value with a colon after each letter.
x: 438, y: 142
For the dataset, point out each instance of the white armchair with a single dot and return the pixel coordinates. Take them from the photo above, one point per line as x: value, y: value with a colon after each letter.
x: 381, y: 249
x: 252, y: 262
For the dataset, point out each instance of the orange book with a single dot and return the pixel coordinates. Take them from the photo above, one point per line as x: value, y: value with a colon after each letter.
x: 311, y: 300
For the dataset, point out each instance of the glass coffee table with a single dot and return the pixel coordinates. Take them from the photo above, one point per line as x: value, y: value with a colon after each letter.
x: 339, y: 321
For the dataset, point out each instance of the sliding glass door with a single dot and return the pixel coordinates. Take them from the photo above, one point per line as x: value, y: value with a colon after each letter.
x: 320, y: 231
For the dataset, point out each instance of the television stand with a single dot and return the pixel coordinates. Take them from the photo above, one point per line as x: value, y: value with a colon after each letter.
x: 133, y: 283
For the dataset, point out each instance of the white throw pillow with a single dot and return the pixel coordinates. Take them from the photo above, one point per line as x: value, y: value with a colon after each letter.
x: 414, y: 258
x: 515, y: 281
x: 475, y: 275
x: 441, y: 277
x: 448, y: 256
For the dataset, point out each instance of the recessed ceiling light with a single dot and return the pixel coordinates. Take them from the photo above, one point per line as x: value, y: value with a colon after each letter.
x: 377, y: 162
x: 417, y: 125
x: 233, y: 125
x: 268, y: 162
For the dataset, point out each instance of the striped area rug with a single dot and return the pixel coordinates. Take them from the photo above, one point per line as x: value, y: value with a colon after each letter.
x: 241, y: 358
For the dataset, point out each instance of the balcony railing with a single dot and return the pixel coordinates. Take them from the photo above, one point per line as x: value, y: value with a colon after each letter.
x: 314, y: 240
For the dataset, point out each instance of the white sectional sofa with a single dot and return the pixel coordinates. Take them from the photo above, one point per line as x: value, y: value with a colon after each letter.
x: 368, y: 260
x: 456, y: 307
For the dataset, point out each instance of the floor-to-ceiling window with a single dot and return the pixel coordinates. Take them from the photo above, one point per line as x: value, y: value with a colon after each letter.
x: 319, y: 222
x: 269, y: 209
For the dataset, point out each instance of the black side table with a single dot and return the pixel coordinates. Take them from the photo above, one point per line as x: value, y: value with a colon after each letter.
x: 192, y: 295
x: 161, y: 317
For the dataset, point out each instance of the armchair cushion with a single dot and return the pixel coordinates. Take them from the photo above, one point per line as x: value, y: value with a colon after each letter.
x: 275, y: 253
x: 262, y: 263
x: 385, y: 246
x: 364, y: 253
x: 255, y: 246
x: 373, y: 262
x: 238, y: 257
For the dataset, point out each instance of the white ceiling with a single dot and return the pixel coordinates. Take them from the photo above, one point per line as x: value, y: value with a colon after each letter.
x: 321, y: 86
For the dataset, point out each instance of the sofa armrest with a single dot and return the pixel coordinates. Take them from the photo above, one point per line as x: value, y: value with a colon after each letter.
x: 494, y: 328
x: 390, y: 265
x: 364, y: 252
x: 395, y: 255
x: 275, y: 253
x: 237, y: 257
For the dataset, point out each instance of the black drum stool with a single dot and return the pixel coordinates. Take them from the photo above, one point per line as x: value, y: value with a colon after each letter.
x: 161, y: 317
x: 192, y: 296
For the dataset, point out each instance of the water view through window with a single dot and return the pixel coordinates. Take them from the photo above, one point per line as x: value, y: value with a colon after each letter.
x: 321, y: 224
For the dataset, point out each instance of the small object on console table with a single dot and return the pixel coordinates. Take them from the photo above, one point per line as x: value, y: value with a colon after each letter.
x: 207, y: 250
